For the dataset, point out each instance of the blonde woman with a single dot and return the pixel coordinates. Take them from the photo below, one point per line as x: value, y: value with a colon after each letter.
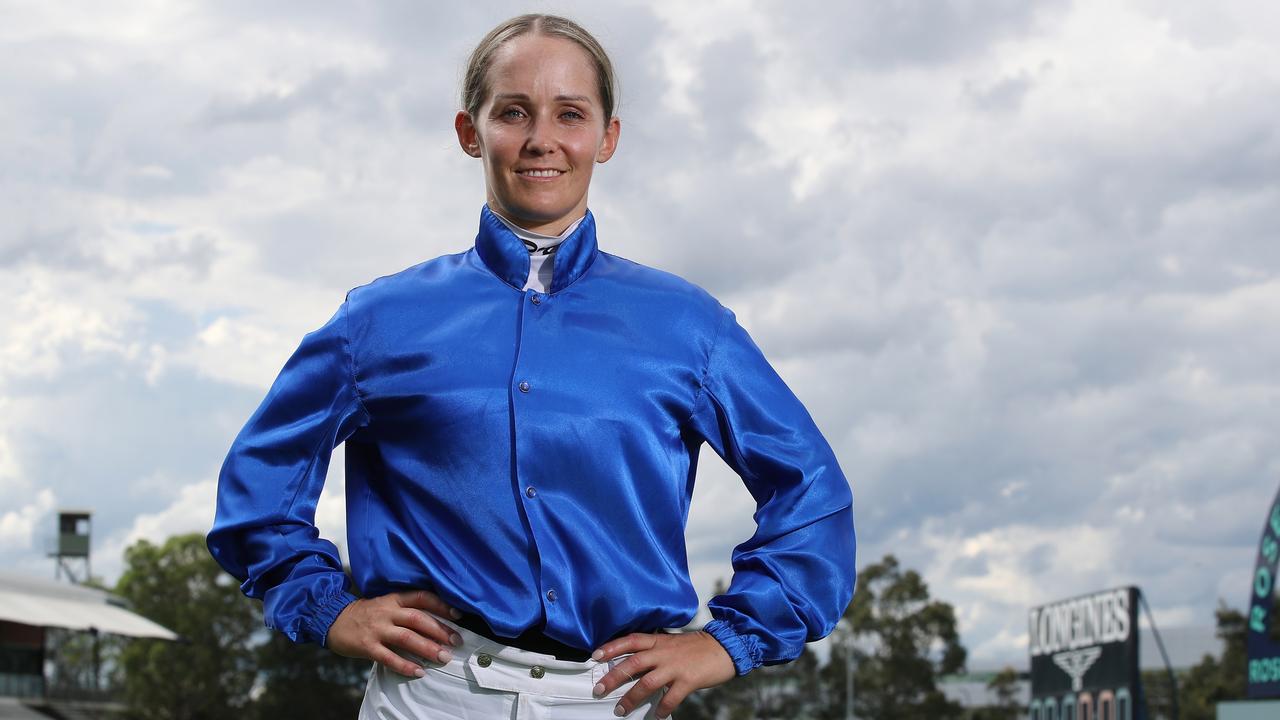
x: 522, y: 423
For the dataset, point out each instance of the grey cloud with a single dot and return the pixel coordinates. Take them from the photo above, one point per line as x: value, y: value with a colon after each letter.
x: 839, y: 36
x: 976, y: 565
x: 318, y: 93
x: 1002, y: 95
x: 1037, y: 560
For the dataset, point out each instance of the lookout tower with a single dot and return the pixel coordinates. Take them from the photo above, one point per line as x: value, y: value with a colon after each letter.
x: 71, y: 546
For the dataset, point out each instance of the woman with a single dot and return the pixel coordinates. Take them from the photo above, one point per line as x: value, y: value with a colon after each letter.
x: 522, y: 423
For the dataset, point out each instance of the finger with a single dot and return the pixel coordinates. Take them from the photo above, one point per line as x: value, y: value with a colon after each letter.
x: 427, y: 600
x: 426, y: 625
x: 394, y: 662
x: 677, y: 691
x: 409, y: 640
x: 650, y: 683
x: 623, y: 673
x: 635, y: 642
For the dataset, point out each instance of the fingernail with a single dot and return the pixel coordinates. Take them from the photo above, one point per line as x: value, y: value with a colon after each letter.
x: 597, y: 654
x: 455, y: 613
x: 598, y: 690
x: 445, y: 656
x: 619, y: 711
x: 419, y: 672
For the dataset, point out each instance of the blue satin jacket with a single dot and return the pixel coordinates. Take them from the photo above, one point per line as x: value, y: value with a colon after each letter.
x: 530, y: 457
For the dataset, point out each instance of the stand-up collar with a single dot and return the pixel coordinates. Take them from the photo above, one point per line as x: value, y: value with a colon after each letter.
x: 506, y: 256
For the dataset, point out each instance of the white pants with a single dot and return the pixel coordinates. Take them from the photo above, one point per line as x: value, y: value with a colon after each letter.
x: 489, y: 681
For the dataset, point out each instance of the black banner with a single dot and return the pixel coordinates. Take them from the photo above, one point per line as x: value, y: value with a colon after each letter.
x: 1084, y: 657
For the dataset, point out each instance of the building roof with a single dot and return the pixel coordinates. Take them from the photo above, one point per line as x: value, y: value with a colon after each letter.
x: 46, y: 603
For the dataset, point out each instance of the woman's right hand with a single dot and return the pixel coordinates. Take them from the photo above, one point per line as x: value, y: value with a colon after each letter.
x: 374, y: 628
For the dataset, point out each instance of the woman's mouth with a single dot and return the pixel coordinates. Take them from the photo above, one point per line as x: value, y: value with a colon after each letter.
x: 540, y: 173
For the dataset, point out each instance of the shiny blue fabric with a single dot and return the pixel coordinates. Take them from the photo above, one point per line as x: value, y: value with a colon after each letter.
x: 531, y: 456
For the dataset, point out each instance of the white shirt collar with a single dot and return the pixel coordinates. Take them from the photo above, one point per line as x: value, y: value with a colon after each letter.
x: 538, y: 240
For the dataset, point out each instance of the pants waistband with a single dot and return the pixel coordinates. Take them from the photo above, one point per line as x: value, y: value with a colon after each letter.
x: 532, y: 640
x: 496, y: 666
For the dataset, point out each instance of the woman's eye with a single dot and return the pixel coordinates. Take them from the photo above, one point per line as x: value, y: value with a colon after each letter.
x: 572, y: 115
x: 512, y: 113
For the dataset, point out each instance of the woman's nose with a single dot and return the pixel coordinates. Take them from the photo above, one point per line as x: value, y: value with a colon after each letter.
x: 541, y: 138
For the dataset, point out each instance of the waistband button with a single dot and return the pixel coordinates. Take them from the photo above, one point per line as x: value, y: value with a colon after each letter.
x: 537, y: 671
x: 483, y: 660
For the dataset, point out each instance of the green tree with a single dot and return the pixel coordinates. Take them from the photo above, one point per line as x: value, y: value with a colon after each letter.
x: 1004, y: 685
x: 903, y: 641
x: 1214, y: 680
x: 209, y: 672
x: 308, y: 681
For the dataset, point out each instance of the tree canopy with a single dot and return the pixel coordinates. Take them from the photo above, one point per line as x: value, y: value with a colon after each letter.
x: 227, y: 663
x: 903, y: 641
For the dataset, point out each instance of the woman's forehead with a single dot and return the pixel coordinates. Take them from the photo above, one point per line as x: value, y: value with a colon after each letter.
x: 537, y: 65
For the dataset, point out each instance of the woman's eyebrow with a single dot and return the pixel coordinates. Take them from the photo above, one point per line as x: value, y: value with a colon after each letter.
x: 558, y: 98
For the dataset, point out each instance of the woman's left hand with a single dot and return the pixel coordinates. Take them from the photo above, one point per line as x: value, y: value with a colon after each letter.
x: 681, y: 662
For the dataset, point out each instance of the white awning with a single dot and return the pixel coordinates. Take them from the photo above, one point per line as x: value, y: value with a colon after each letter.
x: 45, y: 603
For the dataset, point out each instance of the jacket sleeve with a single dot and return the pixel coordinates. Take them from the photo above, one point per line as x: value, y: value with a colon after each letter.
x: 264, y: 529
x: 794, y: 577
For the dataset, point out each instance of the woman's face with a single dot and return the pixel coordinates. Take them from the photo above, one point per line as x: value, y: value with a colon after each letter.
x: 540, y: 132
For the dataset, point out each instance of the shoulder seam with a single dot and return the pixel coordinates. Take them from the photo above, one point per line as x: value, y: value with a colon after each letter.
x: 351, y: 356
x: 706, y: 370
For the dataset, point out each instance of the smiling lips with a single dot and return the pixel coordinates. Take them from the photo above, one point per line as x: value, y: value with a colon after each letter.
x: 540, y: 173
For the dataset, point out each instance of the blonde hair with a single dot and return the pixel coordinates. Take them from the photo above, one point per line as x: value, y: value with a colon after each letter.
x: 475, y: 84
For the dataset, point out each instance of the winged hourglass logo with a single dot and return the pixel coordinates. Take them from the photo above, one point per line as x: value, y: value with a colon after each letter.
x: 1076, y: 663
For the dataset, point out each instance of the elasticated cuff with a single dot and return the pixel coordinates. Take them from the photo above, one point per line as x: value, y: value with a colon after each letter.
x: 744, y: 652
x: 319, y: 623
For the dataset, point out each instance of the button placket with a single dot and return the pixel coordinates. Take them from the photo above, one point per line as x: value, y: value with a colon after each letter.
x: 532, y: 345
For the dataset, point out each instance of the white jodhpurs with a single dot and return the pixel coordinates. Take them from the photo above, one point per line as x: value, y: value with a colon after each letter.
x: 489, y: 681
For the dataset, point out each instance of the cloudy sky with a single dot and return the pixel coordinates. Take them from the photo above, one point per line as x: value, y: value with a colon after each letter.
x: 1019, y: 259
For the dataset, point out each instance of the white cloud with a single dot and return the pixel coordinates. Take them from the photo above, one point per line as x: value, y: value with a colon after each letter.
x: 190, y: 511
x: 18, y: 527
x: 48, y: 323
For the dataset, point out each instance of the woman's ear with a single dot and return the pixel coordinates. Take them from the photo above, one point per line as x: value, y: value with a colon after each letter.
x: 610, y: 142
x: 468, y: 138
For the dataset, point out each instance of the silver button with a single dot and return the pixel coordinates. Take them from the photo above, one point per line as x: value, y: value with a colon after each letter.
x: 551, y: 595
x: 524, y: 386
x: 536, y: 300
x: 537, y: 671
x: 483, y: 660
x: 530, y: 491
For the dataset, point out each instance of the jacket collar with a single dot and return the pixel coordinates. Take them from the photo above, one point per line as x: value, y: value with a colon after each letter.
x: 506, y: 256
